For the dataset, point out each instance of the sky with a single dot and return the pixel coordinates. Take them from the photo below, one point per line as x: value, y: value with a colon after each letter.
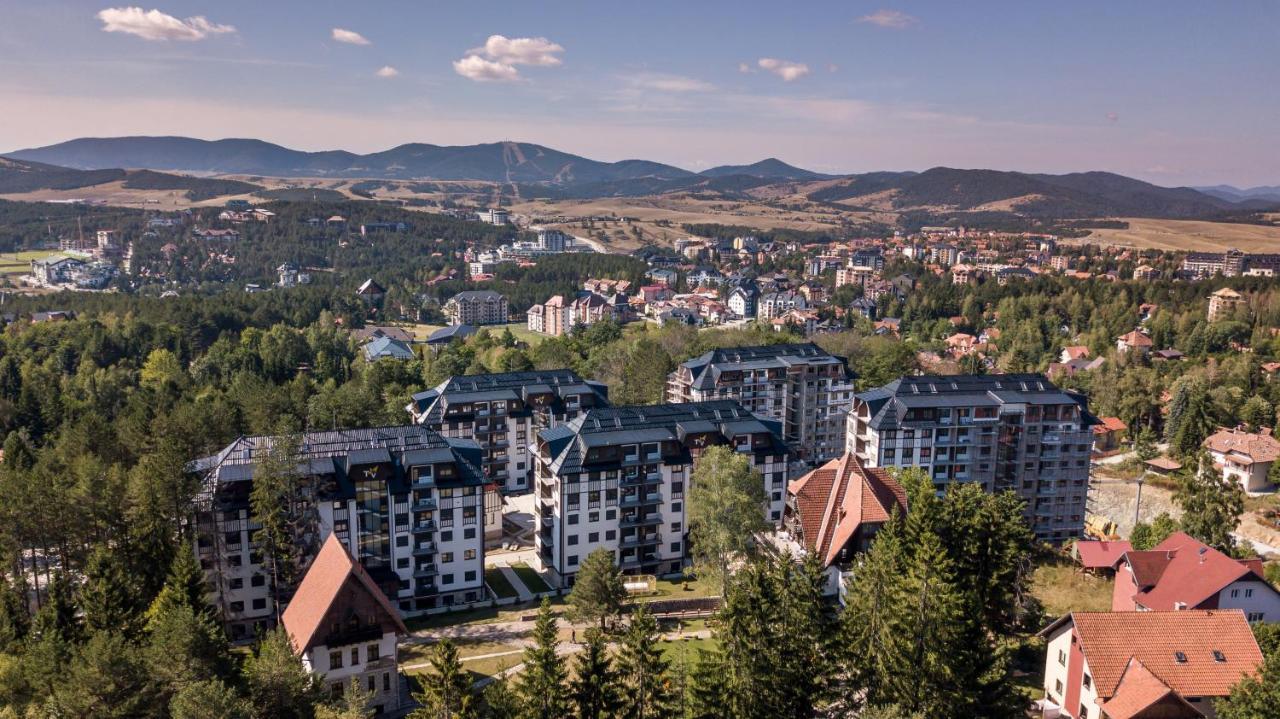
x: 1177, y: 92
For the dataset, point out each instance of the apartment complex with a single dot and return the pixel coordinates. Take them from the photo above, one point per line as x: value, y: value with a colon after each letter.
x: 476, y: 307
x: 616, y: 479
x: 504, y: 413
x: 407, y: 503
x: 802, y: 386
x: 1005, y: 432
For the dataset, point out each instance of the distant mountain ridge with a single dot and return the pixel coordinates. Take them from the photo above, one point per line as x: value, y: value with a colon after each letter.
x: 536, y: 171
x: 1235, y: 194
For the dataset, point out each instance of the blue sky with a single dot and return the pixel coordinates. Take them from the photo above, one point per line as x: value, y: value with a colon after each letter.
x: 1174, y: 91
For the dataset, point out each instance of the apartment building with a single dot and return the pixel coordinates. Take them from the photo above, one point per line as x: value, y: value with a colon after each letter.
x: 1005, y: 432
x: 802, y: 386
x: 476, y: 307
x: 504, y: 413
x: 616, y: 478
x: 406, y: 502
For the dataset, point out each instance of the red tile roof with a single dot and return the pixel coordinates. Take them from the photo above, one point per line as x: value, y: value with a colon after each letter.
x: 1182, y: 571
x: 1136, y: 339
x: 331, y: 570
x: 840, y: 496
x: 1110, y: 640
x: 1251, y: 447
x: 1076, y: 352
x: 1139, y: 689
x: 1099, y: 555
x: 1115, y: 424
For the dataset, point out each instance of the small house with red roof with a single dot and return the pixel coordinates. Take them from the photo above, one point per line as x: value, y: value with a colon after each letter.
x: 1134, y: 341
x: 835, y: 510
x: 1245, y: 457
x: 1108, y: 434
x: 345, y: 628
x: 1183, y: 573
x: 1099, y: 556
x: 1145, y: 665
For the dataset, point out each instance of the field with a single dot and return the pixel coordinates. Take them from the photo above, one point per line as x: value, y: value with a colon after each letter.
x: 519, y: 329
x: 1061, y: 587
x: 19, y: 263
x: 1190, y: 235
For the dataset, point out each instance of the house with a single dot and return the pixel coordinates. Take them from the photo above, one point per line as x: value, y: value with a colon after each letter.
x: 1145, y: 272
x: 1183, y: 573
x: 1162, y: 466
x: 775, y: 304
x: 960, y: 344
x: 1167, y: 355
x: 441, y: 338
x: 476, y: 307
x: 742, y: 301
x: 835, y: 511
x: 1098, y: 556
x: 52, y: 316
x: 864, y: 307
x: 1145, y: 665
x: 1074, y: 352
x: 1223, y: 303
x: 345, y: 628
x: 371, y: 292
x: 386, y: 348
x: 291, y: 276
x: 1245, y: 457
x: 373, y: 332
x: 206, y: 234
x: 1136, y: 341
x: 662, y: 276
x: 1108, y: 434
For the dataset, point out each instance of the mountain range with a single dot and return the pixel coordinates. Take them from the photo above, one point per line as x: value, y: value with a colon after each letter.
x: 537, y: 171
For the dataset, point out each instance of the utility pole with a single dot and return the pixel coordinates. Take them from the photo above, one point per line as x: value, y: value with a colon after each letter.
x: 1137, y: 510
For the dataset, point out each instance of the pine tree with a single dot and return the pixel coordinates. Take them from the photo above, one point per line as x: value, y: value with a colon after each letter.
x: 280, y: 687
x: 709, y: 696
x: 645, y: 674
x: 868, y: 623
x: 281, y: 504
x: 1211, y: 505
x: 598, y: 591
x: 541, y: 685
x: 108, y: 597
x: 922, y: 671
x: 498, y: 701
x: 446, y: 691
x: 105, y: 679
x: 594, y: 687
x: 208, y: 699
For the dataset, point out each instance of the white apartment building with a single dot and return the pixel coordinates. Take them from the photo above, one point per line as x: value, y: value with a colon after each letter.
x: 407, y: 502
x: 617, y: 479
x: 504, y: 413
x: 802, y: 386
x: 1017, y: 432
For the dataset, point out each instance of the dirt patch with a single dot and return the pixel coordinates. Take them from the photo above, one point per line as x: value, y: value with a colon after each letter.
x: 1117, y: 500
x: 1190, y: 235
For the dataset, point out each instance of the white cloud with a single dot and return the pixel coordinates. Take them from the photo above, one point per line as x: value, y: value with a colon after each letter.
x: 669, y: 83
x: 350, y: 37
x: 474, y: 67
x: 1113, y: 117
x: 520, y: 51
x: 744, y: 68
x: 784, y: 69
x: 497, y: 59
x: 155, y: 25
x: 895, y: 19
x: 387, y: 71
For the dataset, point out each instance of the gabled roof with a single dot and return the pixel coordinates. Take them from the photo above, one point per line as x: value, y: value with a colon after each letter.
x: 331, y: 570
x: 1135, y: 339
x: 1139, y: 690
x: 387, y: 347
x: 1099, y: 555
x: 1109, y: 640
x: 369, y: 287
x: 1181, y: 570
x: 835, y: 499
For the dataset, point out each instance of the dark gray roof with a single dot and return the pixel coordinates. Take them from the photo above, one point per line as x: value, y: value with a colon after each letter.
x: 568, y: 443
x: 755, y: 357
x: 476, y: 295
x: 888, y: 404
x: 445, y: 335
x: 428, y: 406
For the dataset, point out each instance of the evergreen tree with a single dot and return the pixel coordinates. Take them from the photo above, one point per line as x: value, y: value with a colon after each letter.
x: 208, y: 699
x: 1144, y: 444
x: 281, y: 504
x: 279, y: 686
x: 183, y: 647
x: 598, y: 591
x: 353, y: 704
x: 1211, y: 505
x: 14, y: 617
x: 594, y: 686
x: 108, y: 597
x: 644, y: 673
x: 498, y: 701
x: 709, y: 692
x: 869, y: 621
x: 541, y: 685
x: 446, y: 690
x: 105, y: 679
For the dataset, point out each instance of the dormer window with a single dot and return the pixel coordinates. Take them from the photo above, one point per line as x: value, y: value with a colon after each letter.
x: 1219, y: 657
x: 1180, y: 657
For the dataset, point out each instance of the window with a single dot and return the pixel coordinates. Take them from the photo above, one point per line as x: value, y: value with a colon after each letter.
x: 469, y: 533
x: 335, y: 660
x: 610, y: 534
x: 573, y: 519
x: 573, y: 559
x: 446, y: 557
x: 593, y: 537
x: 1180, y: 657
x: 446, y: 579
x: 355, y: 656
x: 386, y: 681
x: 1218, y: 656
x: 677, y: 506
x: 260, y: 604
x: 1088, y: 681
x: 402, y: 540
x: 1255, y: 617
x: 1248, y: 593
x: 237, y: 606
x: 446, y: 536
x: 373, y: 683
x: 1058, y: 686
x: 1062, y: 657
x: 470, y: 576
x: 675, y: 547
x: 258, y: 580
x: 573, y: 540
x: 469, y: 554
x: 237, y: 583
x: 1235, y: 593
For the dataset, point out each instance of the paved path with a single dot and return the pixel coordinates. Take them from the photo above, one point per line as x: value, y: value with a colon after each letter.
x: 521, y: 589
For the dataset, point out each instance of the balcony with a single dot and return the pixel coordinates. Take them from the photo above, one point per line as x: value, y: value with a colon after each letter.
x: 424, y: 549
x: 637, y: 500
x: 424, y: 571
x: 423, y: 483
x: 423, y: 527
x: 425, y: 590
x: 639, y: 541
x: 652, y: 519
x: 637, y: 562
x: 423, y: 505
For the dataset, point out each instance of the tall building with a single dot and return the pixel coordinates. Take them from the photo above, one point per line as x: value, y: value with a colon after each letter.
x: 552, y: 240
x: 476, y: 307
x: 1005, y: 432
x: 405, y: 501
x: 504, y: 413
x: 802, y: 386
x: 1224, y: 303
x: 616, y: 479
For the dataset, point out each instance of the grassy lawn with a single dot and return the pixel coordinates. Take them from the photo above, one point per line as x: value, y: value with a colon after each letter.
x: 530, y: 578
x: 676, y: 589
x: 19, y: 263
x: 498, y: 582
x: 672, y: 651
x: 1061, y: 588
x: 484, y: 615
